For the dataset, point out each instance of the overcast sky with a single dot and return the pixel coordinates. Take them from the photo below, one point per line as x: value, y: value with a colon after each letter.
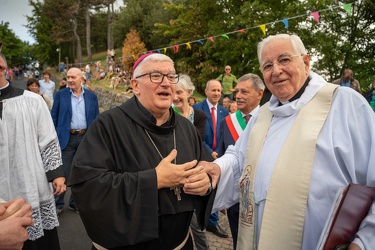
x: 14, y: 12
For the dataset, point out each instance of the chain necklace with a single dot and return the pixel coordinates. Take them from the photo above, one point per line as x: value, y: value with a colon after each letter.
x: 177, y: 190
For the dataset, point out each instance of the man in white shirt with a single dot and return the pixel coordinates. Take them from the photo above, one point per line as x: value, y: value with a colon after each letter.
x: 47, y: 86
x: 342, y: 135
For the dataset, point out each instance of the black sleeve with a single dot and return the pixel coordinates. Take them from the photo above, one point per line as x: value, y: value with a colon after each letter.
x: 221, y: 146
x: 200, y: 122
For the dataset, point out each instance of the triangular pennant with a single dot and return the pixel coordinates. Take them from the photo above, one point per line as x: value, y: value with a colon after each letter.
x: 188, y: 45
x: 158, y: 50
x: 211, y: 39
x: 348, y: 8
x: 263, y: 28
x: 286, y: 23
x: 175, y: 48
x: 241, y: 31
x: 199, y: 41
x: 316, y: 16
x: 165, y: 50
x: 225, y: 35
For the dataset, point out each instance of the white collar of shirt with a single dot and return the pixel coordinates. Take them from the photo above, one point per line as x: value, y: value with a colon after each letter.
x: 252, y: 112
x: 83, y: 91
x: 210, y: 105
x: 6, y: 85
x: 290, y: 108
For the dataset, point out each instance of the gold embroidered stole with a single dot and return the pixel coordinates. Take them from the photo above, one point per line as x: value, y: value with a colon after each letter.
x: 286, y: 202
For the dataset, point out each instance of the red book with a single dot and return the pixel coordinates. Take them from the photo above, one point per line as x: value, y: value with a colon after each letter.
x: 351, y: 207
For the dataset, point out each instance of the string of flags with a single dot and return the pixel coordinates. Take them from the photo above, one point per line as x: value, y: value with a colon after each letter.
x: 263, y: 27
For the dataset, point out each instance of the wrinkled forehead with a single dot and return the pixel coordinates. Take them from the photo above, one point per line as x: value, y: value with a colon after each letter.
x: 158, y: 66
x: 275, y: 48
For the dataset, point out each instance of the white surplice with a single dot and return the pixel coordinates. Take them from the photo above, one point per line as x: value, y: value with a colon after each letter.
x: 29, y: 149
x: 345, y: 154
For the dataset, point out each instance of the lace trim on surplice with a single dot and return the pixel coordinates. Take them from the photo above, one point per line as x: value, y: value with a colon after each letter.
x: 51, y: 155
x: 45, y: 218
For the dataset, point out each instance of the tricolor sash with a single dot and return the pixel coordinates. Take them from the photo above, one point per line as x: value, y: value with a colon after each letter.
x: 285, y: 208
x: 236, y: 124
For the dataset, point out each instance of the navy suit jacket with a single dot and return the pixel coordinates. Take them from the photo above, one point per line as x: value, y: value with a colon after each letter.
x: 209, y: 135
x: 62, y: 112
x: 226, y: 138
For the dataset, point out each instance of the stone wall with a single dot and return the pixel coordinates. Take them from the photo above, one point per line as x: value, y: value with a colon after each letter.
x: 108, y: 99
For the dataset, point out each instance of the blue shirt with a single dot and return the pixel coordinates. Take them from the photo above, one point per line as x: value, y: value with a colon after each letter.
x: 78, y: 111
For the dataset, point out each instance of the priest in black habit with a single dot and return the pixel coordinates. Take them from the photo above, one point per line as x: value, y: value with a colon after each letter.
x: 129, y: 172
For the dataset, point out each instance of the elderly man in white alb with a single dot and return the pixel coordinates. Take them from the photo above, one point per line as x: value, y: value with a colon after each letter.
x: 310, y: 140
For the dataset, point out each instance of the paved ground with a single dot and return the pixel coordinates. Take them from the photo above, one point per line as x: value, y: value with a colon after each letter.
x: 217, y: 243
x: 73, y: 236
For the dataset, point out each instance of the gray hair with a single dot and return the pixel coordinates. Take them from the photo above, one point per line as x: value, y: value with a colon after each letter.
x: 151, y: 58
x: 257, y: 82
x: 297, y: 44
x: 186, y: 83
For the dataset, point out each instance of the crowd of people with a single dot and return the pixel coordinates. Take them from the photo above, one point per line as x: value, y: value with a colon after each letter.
x: 154, y: 172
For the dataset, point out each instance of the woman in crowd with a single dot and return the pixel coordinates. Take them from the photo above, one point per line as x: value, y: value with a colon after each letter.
x: 63, y: 83
x: 192, y: 100
x: 181, y: 106
x: 232, y: 107
x: 33, y: 86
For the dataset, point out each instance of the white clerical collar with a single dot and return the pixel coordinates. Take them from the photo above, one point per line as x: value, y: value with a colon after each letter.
x: 210, y: 105
x: 6, y: 85
x: 252, y: 112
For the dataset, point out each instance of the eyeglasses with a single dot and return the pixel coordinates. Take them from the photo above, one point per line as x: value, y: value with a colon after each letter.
x: 283, y: 60
x: 227, y: 69
x: 157, y: 77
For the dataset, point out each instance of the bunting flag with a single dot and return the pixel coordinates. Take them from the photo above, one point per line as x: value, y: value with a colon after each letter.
x: 263, y: 28
x: 199, y: 41
x: 225, y: 35
x: 286, y: 23
x: 316, y: 16
x: 175, y: 48
x: 348, y: 8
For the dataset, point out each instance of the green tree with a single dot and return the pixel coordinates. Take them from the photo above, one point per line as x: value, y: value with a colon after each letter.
x: 142, y: 15
x: 15, y: 50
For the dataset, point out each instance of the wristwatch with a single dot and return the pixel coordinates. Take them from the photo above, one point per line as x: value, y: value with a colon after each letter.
x: 210, y: 187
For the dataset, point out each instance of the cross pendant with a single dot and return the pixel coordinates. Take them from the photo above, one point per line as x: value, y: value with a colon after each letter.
x: 177, y: 192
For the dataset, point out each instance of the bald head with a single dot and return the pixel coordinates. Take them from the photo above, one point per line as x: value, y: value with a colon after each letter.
x: 213, y: 91
x: 75, y: 79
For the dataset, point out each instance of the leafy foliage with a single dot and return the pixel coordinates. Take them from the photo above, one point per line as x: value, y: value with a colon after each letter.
x: 133, y: 47
x: 339, y: 41
x: 15, y: 50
